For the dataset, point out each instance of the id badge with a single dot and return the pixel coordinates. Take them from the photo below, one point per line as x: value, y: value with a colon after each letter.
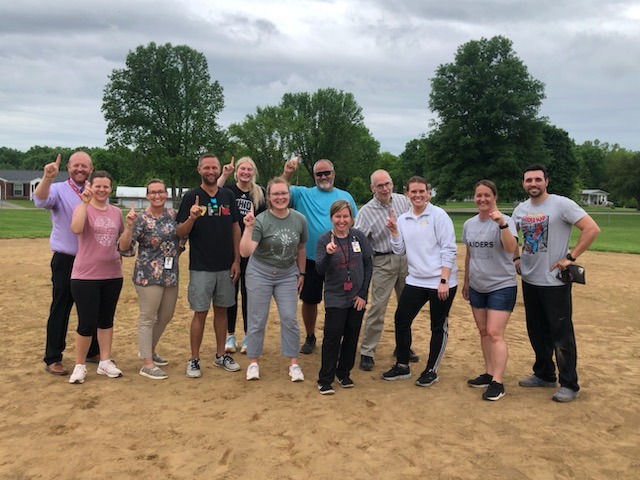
x: 168, y: 263
x: 348, y: 285
x: 355, y: 245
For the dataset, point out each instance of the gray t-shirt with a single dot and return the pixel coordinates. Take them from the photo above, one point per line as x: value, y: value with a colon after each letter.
x: 278, y: 238
x: 546, y: 231
x: 490, y: 266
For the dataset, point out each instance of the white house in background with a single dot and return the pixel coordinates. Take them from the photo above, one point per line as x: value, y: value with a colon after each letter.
x: 137, y: 195
x: 595, y: 197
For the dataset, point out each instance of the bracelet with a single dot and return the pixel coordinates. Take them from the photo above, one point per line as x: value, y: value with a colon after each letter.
x: 502, y: 227
x: 516, y: 258
x: 303, y: 273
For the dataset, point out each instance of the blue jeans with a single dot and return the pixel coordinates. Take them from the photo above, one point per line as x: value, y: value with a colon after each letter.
x: 263, y: 282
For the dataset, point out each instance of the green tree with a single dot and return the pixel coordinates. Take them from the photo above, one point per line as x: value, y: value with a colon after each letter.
x: 10, y: 159
x: 562, y: 163
x: 164, y: 106
x: 623, y: 172
x: 592, y: 158
x: 488, y: 125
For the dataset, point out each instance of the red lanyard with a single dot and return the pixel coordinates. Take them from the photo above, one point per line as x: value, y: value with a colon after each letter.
x: 75, y: 188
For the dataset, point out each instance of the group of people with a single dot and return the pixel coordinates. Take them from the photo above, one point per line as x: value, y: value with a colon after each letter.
x: 288, y: 241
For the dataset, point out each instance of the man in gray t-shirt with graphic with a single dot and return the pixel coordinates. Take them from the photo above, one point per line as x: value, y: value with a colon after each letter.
x: 545, y: 221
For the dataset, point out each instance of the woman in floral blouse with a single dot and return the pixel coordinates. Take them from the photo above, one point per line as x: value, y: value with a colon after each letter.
x: 155, y: 275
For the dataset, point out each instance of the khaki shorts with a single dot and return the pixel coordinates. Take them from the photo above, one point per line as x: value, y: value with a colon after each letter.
x: 207, y: 288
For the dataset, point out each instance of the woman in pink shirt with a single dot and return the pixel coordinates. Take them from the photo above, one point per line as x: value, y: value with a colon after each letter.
x: 96, y: 279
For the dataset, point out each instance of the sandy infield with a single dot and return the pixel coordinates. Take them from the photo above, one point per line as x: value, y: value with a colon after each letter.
x: 221, y: 426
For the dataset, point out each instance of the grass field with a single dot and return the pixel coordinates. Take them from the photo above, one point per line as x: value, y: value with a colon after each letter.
x: 620, y: 229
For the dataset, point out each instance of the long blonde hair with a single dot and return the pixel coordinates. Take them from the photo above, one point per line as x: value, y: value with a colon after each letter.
x: 257, y: 195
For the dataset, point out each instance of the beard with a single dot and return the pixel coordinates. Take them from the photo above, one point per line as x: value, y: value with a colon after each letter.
x: 209, y: 183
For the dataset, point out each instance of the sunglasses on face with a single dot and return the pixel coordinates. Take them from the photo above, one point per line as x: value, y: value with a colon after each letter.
x: 324, y: 174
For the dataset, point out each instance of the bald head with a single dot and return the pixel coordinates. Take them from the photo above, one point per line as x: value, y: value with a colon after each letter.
x: 80, y: 167
x: 382, y: 186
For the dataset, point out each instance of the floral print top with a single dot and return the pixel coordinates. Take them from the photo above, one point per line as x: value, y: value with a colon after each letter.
x: 158, y: 249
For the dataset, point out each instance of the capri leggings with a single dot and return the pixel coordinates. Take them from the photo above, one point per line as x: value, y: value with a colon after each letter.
x: 96, y: 302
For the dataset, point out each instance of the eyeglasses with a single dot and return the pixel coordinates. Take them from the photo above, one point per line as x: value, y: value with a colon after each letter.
x: 324, y: 174
x: 158, y: 193
x: 279, y: 194
x: 380, y: 186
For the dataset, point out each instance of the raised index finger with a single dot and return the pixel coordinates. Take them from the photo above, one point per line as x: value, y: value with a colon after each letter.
x: 391, y: 214
x: 233, y: 159
x: 58, y: 158
x: 197, y: 201
x: 132, y: 207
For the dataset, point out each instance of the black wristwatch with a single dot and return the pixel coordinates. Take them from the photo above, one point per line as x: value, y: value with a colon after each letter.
x: 502, y: 227
x: 443, y: 280
x: 570, y: 257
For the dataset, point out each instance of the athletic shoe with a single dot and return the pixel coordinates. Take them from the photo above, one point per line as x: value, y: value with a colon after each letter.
x: 78, y: 374
x: 253, y: 371
x: 226, y: 362
x: 397, y: 373
x: 427, y: 378
x: 158, y: 360
x: 481, y: 381
x: 413, y: 358
x: 193, y: 368
x: 345, y: 382
x: 109, y: 369
x: 534, y: 381
x: 325, y: 389
x: 295, y: 372
x: 494, y: 392
x: 309, y: 344
x: 154, y: 373
x: 230, y: 346
x: 366, y: 363
x: 244, y: 345
x: 565, y: 395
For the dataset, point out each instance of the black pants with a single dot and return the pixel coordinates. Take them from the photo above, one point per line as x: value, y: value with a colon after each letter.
x: 411, y: 301
x: 341, y: 332
x: 61, y: 304
x: 96, y: 302
x: 550, y: 328
x: 232, y: 312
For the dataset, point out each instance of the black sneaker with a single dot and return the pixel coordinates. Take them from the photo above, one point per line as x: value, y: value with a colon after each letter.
x: 397, y: 372
x: 427, y: 378
x: 325, y: 389
x: 345, y: 382
x: 309, y: 344
x: 413, y: 358
x: 494, y: 392
x: 366, y: 363
x: 481, y: 381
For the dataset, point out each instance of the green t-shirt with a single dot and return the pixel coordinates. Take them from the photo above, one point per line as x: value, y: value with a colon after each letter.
x: 278, y: 238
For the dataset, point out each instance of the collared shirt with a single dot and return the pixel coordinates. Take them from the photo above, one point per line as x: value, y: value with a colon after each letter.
x: 61, y: 201
x: 372, y: 220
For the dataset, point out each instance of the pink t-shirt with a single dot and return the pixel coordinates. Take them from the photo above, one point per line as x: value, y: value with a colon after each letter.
x: 98, y: 257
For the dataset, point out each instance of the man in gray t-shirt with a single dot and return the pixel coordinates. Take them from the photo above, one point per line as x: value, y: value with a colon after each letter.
x: 545, y: 221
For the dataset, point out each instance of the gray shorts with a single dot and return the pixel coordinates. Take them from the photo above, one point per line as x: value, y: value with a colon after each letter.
x: 206, y: 288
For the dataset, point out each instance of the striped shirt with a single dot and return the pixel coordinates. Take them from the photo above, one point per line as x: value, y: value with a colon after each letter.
x: 372, y: 220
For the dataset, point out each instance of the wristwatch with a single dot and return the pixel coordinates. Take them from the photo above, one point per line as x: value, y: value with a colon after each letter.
x: 570, y: 257
x: 502, y: 227
x: 443, y: 280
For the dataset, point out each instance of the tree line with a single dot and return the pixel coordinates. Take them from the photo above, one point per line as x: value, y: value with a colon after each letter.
x: 162, y: 111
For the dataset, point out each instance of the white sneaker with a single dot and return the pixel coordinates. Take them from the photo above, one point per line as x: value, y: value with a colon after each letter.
x: 109, y: 369
x: 230, y: 346
x: 226, y: 362
x: 78, y: 374
x: 193, y: 368
x: 244, y: 345
x: 253, y: 372
x: 295, y: 372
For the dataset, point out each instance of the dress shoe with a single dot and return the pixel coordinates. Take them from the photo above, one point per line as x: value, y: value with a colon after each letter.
x: 56, y: 369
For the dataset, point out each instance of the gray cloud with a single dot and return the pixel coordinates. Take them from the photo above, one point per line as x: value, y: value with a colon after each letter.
x: 56, y: 58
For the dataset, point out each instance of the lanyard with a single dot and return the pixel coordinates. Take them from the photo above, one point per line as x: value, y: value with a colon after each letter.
x: 75, y: 188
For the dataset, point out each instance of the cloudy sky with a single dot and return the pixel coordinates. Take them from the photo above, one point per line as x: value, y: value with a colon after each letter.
x: 55, y: 58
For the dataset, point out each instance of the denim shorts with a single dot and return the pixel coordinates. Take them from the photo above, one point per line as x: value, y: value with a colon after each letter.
x: 206, y: 288
x: 503, y: 299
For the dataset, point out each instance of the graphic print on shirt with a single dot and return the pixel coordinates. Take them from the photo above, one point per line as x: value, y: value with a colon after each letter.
x: 535, y: 233
x: 482, y: 245
x: 244, y: 205
x: 285, y: 237
x: 105, y: 231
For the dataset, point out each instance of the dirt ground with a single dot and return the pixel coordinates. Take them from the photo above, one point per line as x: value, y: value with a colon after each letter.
x: 221, y: 426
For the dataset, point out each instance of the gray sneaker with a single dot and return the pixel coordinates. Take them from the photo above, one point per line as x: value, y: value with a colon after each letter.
x: 154, y: 373
x: 226, y: 362
x: 193, y: 368
x: 565, y: 395
x: 534, y: 381
x: 158, y: 360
